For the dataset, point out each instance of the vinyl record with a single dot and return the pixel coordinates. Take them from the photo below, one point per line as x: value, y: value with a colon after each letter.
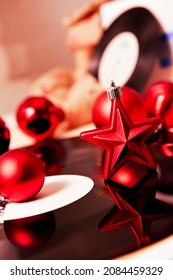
x: 129, y: 49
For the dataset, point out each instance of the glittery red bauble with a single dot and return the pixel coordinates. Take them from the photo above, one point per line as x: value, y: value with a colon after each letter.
x: 38, y: 117
x: 31, y: 232
x: 22, y: 175
x: 4, y: 137
x: 132, y: 101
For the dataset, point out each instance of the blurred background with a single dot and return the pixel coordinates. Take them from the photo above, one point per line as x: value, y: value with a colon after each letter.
x: 32, y: 40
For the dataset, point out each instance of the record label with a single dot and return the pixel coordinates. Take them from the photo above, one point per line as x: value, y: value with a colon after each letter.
x: 120, y: 57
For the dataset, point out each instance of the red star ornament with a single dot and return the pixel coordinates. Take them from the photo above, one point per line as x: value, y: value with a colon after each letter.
x: 123, y: 139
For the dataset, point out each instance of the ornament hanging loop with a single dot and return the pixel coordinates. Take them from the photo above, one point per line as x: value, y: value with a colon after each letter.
x: 113, y: 91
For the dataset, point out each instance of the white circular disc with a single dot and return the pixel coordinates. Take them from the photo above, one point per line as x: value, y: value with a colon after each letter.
x: 119, y: 59
x: 57, y: 191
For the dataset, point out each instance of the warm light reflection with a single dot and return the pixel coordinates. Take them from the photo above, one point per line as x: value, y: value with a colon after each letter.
x: 167, y: 149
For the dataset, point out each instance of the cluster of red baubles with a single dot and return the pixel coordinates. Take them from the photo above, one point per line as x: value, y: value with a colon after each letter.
x: 156, y: 101
x: 22, y: 172
x: 38, y: 117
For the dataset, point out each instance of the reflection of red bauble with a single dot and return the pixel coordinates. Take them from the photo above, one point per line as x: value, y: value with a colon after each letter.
x: 129, y: 174
x: 38, y: 117
x: 52, y: 153
x: 22, y: 175
x: 157, y: 97
x: 4, y: 137
x: 31, y: 232
x: 132, y: 101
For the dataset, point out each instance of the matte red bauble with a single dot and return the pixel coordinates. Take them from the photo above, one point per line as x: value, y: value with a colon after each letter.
x: 132, y: 101
x: 38, y: 117
x: 158, y: 97
x: 22, y: 175
x: 31, y: 232
x: 4, y: 137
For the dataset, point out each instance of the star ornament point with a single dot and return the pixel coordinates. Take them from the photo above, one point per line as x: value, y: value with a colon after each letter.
x: 123, y: 139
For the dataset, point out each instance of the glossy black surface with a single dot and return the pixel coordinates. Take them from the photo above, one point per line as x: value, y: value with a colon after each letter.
x: 77, y: 231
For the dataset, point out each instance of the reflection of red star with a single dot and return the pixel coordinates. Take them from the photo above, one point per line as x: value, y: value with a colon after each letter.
x: 136, y: 210
x: 125, y: 216
x: 123, y: 140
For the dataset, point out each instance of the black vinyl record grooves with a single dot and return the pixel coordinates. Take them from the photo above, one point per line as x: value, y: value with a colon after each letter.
x: 146, y: 28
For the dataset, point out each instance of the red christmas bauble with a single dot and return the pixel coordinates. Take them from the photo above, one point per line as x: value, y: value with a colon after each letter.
x: 22, y: 175
x: 158, y: 97
x: 38, y: 117
x: 132, y: 101
x: 4, y: 137
x: 159, y: 102
x: 168, y: 117
x: 31, y: 232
